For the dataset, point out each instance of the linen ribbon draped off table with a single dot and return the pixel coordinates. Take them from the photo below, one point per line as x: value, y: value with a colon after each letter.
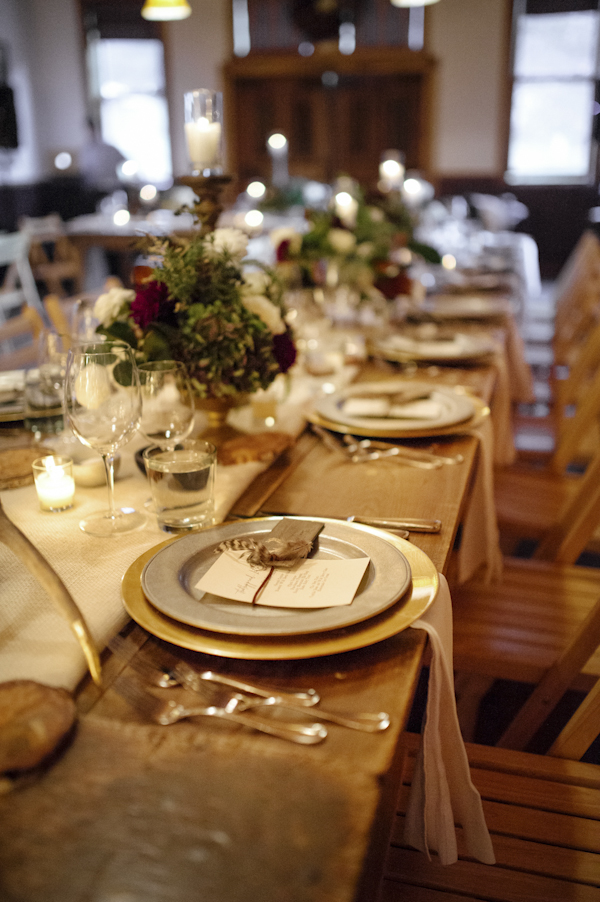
x: 442, y: 792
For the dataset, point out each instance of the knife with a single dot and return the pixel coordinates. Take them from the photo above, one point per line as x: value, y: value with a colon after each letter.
x: 412, y: 524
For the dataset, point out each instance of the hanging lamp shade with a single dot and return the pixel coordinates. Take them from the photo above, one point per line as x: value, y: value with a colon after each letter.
x: 166, y: 10
x: 413, y: 2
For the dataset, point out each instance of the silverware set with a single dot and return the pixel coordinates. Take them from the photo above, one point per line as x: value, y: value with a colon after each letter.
x: 359, y: 451
x: 230, y: 699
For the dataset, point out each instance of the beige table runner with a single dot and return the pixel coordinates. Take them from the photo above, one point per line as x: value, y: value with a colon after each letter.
x: 35, y: 641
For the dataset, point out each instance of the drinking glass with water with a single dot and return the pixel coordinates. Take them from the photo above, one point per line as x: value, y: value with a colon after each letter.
x: 182, y: 481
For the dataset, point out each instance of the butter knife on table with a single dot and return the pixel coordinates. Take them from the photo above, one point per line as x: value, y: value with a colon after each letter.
x: 408, y: 523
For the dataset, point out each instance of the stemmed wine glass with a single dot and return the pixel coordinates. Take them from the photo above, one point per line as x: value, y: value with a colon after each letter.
x: 104, y: 407
x: 167, y: 403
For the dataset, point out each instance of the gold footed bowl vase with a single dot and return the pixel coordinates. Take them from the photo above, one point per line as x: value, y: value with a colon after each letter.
x: 215, y: 427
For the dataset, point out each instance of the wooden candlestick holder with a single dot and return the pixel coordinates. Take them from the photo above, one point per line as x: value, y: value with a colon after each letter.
x: 208, y: 206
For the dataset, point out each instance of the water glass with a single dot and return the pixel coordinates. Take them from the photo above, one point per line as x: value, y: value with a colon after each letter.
x: 43, y: 403
x: 182, y: 481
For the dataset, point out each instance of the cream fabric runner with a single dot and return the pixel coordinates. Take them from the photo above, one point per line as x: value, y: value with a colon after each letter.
x: 35, y: 641
x: 442, y: 792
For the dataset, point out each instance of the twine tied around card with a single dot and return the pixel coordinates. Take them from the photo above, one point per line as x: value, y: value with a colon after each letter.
x: 289, y: 542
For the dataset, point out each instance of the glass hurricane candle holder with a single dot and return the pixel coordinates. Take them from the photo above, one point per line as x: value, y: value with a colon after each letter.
x: 54, y: 482
x: 204, y: 130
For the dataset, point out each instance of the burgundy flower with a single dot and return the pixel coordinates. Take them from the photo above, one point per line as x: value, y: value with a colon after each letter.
x: 145, y: 308
x: 283, y: 251
x: 284, y: 351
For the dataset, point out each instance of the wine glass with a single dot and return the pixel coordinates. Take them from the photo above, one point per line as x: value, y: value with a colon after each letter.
x: 167, y: 405
x: 104, y: 406
x: 84, y: 320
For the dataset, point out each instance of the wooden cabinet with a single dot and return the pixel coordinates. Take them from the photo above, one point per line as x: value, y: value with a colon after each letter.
x: 339, y: 113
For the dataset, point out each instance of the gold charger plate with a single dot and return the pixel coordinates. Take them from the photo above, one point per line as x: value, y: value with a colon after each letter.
x: 425, y: 583
x: 482, y: 411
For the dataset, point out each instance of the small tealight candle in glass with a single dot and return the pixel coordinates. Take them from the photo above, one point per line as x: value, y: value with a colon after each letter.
x: 54, y: 482
x: 203, y: 130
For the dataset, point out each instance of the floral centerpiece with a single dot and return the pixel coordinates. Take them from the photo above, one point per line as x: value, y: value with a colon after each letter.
x: 200, y: 306
x: 371, y: 248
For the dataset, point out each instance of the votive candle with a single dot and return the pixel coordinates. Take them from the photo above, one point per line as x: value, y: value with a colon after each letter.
x: 54, y: 482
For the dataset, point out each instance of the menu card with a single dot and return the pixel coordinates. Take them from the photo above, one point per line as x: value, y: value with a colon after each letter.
x: 308, y: 584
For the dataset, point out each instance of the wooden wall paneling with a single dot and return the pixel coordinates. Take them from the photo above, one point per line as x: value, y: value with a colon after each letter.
x: 382, y: 99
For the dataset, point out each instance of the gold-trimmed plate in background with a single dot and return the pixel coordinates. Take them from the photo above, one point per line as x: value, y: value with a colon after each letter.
x: 482, y: 412
x: 425, y: 583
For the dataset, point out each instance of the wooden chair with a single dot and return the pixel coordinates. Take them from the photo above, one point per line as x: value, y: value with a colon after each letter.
x: 18, y: 286
x: 54, y: 259
x: 57, y: 313
x: 517, y: 628
x: 543, y: 813
x: 577, y: 298
x: 575, y: 345
x: 19, y: 338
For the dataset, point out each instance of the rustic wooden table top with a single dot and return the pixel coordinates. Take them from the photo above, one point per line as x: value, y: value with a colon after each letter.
x: 132, y: 811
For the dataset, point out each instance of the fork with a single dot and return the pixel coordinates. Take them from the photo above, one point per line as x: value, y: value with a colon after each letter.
x: 357, y: 458
x: 168, y: 711
x: 356, y: 445
x: 182, y: 674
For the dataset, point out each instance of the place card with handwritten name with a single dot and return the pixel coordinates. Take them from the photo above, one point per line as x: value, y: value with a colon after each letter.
x: 309, y: 584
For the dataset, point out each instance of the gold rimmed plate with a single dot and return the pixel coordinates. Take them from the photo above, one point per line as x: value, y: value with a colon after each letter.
x: 460, y: 348
x: 412, y: 605
x: 169, y: 580
x: 390, y: 428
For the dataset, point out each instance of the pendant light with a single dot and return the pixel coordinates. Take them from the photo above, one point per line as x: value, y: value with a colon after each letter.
x: 405, y: 3
x: 166, y: 10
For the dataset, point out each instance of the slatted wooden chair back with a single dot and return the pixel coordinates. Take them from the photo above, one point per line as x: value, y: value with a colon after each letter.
x: 577, y: 521
x: 19, y: 338
x: 58, y: 267
x: 577, y: 435
x: 577, y: 299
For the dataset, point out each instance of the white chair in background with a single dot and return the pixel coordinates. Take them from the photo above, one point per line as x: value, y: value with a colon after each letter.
x: 18, y: 286
x: 59, y: 268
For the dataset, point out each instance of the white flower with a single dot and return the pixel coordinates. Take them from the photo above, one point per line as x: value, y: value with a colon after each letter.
x: 255, y: 282
x: 365, y: 249
x: 232, y: 240
x: 266, y: 311
x: 342, y: 241
x: 286, y: 233
x: 376, y: 214
x: 108, y: 305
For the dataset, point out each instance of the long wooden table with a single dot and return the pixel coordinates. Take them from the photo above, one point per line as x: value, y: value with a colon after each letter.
x: 205, y: 810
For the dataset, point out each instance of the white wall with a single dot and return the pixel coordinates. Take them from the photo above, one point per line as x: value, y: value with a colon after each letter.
x: 468, y: 38
x: 46, y: 75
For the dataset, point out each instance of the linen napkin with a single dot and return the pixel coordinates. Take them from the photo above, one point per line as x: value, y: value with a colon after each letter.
x: 479, y: 551
x: 442, y: 791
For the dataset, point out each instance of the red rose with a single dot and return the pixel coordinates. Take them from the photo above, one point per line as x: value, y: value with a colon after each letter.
x: 283, y: 251
x: 284, y: 351
x: 145, y: 308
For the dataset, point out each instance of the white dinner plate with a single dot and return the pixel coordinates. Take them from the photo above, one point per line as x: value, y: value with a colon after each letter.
x: 443, y: 307
x: 460, y: 347
x: 446, y: 405
x: 169, y: 578
x: 12, y: 383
